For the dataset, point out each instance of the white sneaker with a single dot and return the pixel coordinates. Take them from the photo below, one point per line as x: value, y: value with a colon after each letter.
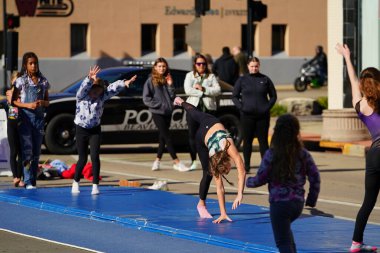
x: 194, y: 165
x: 95, y: 189
x: 30, y: 187
x: 159, y: 185
x: 180, y: 167
x: 75, y: 187
x: 164, y: 186
x: 156, y: 165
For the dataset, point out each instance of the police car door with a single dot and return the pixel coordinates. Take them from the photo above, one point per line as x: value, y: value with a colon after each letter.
x: 136, y: 124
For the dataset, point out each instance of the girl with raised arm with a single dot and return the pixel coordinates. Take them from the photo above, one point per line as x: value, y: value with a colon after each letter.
x: 366, y: 101
x: 91, y: 96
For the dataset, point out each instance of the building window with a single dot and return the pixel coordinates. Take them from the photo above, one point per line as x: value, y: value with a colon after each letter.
x: 278, y: 38
x: 78, y: 38
x: 148, y: 38
x: 244, y: 37
x: 179, y: 39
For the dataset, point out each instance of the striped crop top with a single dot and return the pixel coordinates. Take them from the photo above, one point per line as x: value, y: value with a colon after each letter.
x: 217, y: 142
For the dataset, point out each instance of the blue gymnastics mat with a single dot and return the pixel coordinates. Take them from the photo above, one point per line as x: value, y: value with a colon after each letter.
x: 175, y: 215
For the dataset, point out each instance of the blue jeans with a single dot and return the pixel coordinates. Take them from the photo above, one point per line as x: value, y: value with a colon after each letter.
x: 31, y: 135
x: 282, y: 214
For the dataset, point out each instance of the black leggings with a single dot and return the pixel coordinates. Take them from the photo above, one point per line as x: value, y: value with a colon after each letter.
x: 85, y: 137
x: 372, y: 188
x: 254, y: 126
x: 282, y: 214
x: 163, y: 123
x: 193, y: 127
x: 15, y: 158
x: 205, y: 121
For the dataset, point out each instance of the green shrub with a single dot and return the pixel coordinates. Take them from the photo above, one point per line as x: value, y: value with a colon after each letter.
x: 323, y: 102
x: 278, y: 110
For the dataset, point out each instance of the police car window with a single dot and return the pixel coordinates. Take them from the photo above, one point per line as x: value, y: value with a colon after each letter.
x: 108, y: 76
x: 178, y: 79
x: 136, y: 89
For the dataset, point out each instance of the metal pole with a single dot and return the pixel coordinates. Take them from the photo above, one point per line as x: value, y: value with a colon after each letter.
x: 249, y: 28
x: 5, y: 25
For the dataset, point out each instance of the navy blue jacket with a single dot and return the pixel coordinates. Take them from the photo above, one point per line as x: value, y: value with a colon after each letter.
x: 254, y: 94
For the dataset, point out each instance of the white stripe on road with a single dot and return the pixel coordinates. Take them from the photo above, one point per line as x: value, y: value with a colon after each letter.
x: 51, y: 241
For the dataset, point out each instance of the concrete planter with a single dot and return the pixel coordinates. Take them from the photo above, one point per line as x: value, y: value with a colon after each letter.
x: 298, y: 106
x: 343, y: 125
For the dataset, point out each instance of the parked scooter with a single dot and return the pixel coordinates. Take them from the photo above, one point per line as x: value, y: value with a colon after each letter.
x: 310, y: 75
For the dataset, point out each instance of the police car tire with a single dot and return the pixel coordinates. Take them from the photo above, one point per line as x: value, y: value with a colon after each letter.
x: 51, y: 142
x: 230, y: 120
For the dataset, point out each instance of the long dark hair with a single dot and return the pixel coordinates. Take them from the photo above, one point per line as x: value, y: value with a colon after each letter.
x: 286, y: 147
x: 158, y: 79
x: 26, y: 56
x: 196, y: 57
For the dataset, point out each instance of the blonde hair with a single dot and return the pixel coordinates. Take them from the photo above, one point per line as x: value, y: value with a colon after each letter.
x: 14, y: 76
x: 158, y: 79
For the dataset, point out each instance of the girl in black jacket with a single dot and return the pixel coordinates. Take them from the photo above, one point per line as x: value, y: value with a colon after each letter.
x: 254, y: 95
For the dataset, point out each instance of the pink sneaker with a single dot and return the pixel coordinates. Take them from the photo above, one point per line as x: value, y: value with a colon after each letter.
x: 203, y: 213
x: 361, y: 247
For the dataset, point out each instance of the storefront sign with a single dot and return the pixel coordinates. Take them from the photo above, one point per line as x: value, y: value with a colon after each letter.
x: 174, y: 11
x: 45, y: 8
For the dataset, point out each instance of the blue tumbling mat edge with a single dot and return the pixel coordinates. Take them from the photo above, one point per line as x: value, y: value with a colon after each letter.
x: 139, y: 224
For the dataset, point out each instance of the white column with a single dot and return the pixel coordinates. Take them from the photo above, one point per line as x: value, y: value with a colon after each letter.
x: 339, y: 125
x: 335, y: 61
x: 370, y: 34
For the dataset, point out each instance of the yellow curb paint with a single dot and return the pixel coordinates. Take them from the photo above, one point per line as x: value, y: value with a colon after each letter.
x: 347, y: 148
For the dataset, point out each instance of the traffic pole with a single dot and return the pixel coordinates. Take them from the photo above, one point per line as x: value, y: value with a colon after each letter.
x: 249, y: 28
x: 5, y: 25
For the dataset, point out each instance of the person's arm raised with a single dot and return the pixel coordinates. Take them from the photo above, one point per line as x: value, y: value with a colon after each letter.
x: 345, y: 52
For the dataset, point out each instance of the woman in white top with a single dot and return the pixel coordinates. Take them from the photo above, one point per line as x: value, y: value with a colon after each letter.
x: 202, y: 88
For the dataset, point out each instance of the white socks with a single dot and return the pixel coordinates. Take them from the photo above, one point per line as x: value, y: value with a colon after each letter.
x: 75, y: 188
x: 95, y: 189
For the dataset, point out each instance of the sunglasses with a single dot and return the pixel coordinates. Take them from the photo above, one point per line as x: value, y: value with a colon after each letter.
x: 200, y: 64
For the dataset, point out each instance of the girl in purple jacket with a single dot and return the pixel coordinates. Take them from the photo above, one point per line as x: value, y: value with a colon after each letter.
x: 285, y: 167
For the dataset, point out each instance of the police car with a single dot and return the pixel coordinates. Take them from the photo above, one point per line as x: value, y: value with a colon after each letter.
x: 126, y: 120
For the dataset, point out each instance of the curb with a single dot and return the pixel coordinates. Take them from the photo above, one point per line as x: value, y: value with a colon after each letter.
x: 315, y: 144
x: 349, y: 149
